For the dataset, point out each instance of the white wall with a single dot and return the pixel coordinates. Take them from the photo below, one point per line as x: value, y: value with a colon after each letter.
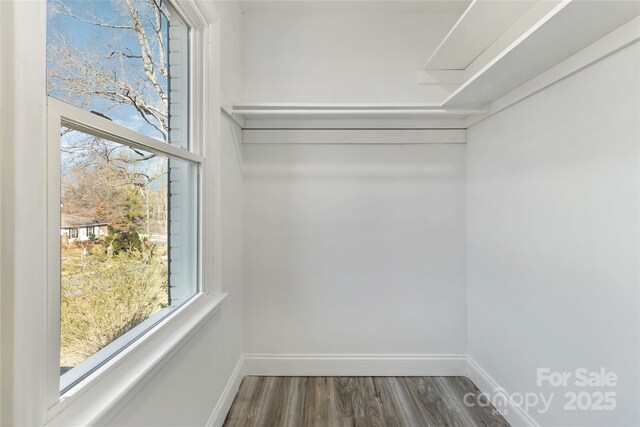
x: 552, y: 221
x: 185, y: 391
x: 354, y: 249
x: 336, y: 237
x: 341, y: 56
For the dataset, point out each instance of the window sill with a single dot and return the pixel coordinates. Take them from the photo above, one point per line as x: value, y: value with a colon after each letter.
x: 103, y: 391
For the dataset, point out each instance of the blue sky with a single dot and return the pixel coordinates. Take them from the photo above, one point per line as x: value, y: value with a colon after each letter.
x: 96, y: 43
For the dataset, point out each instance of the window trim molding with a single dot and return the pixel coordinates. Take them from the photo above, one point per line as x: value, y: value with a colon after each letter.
x: 97, y: 399
x: 25, y: 272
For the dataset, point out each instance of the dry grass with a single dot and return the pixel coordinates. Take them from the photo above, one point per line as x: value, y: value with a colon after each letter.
x: 105, y: 296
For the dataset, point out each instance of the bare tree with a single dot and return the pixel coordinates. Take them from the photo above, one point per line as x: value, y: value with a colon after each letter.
x: 131, y: 69
x: 103, y: 180
x: 112, y: 75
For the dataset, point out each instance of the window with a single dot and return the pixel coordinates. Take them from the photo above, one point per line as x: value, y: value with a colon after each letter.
x: 118, y: 83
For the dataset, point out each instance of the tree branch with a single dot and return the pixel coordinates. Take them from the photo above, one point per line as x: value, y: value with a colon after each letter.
x: 67, y: 11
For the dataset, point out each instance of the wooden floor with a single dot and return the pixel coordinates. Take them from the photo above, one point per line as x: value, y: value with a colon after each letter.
x: 358, y: 401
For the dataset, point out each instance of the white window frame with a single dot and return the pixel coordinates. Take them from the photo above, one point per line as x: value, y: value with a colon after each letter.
x: 33, y: 394
x: 61, y: 114
x: 73, y: 233
x: 23, y: 141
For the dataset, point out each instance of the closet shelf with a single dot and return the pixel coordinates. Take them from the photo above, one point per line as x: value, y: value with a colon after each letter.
x: 482, y: 23
x: 340, y: 111
x: 568, y: 28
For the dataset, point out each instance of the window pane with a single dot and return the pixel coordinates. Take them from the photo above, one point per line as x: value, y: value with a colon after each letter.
x: 183, y: 227
x: 128, y: 246
x: 126, y: 60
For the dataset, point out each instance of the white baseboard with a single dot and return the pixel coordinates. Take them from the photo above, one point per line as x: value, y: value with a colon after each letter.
x: 514, y: 414
x: 355, y: 364
x: 219, y: 414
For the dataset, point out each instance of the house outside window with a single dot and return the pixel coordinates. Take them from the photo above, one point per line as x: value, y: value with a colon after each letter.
x: 75, y: 228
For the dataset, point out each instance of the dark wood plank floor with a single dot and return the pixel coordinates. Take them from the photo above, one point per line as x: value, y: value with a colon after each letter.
x: 358, y: 401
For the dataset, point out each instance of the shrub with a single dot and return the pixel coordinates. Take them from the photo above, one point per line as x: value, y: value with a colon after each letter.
x: 123, y: 241
x: 104, y: 297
